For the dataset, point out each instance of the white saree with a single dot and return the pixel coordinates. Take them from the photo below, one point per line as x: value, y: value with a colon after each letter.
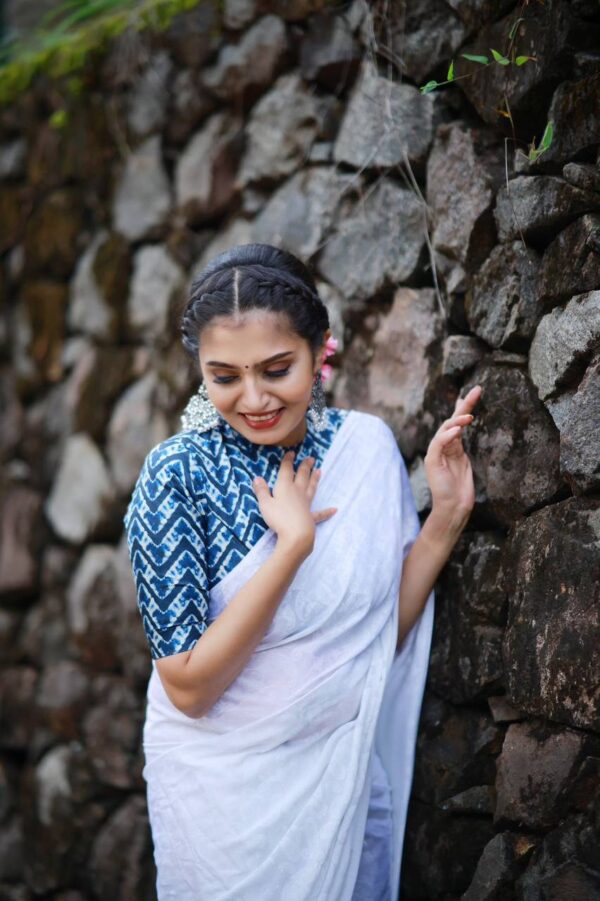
x: 266, y: 797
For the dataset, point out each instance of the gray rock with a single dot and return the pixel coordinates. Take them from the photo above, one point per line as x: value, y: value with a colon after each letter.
x: 147, y: 107
x: 13, y: 158
x: 579, y: 243
x: 383, y: 234
x: 52, y: 782
x: 583, y: 176
x: 20, y: 527
x: 477, y: 799
x: 551, y: 642
x: 281, y: 128
x: 82, y: 492
x: 240, y: 13
x: 205, y: 172
x: 463, y: 171
x: 460, y: 353
x: 329, y: 53
x: 497, y: 869
x: 301, y: 212
x: 550, y: 34
x: 421, y: 34
x: 143, y: 195
x: 121, y: 849
x: 563, y: 342
x: 112, y: 733
x: 533, y: 771
x: 134, y: 428
x: 94, y: 611
x: 515, y: 455
x: 155, y: 284
x: 536, y: 207
x: 384, y: 122
x: 62, y: 696
x: 466, y: 655
x: 580, y: 434
x: 503, y: 306
x: 244, y: 70
x: 574, y: 128
x: 190, y: 104
x: 99, y: 287
x: 392, y: 376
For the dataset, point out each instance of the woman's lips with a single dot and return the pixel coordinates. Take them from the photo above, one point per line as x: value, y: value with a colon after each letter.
x: 264, y: 423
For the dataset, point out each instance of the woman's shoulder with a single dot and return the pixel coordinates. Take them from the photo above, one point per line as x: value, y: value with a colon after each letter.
x: 179, y: 460
x: 373, y: 424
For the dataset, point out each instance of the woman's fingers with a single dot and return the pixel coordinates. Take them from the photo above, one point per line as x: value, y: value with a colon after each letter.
x: 286, y: 467
x: 303, y: 472
x: 322, y: 515
x: 457, y: 419
x: 261, y: 489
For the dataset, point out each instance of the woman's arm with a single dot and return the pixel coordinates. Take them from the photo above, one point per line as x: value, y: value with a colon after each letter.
x: 422, y: 565
x: 195, y: 679
x: 450, y: 478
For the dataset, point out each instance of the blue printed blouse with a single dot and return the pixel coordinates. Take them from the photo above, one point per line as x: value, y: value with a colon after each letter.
x: 192, y: 517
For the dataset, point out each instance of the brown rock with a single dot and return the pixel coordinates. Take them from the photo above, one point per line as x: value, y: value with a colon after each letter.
x: 121, y: 860
x: 20, y: 539
x: 17, y: 692
x: 464, y: 170
x: 62, y: 698
x: 112, y: 734
x: 45, y: 303
x: 579, y: 243
x: 551, y: 644
x: 513, y: 444
x: 54, y: 233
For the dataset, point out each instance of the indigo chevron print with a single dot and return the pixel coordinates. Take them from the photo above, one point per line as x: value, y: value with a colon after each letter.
x: 192, y: 517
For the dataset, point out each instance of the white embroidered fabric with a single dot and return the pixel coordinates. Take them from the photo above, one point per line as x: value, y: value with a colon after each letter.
x: 296, y: 783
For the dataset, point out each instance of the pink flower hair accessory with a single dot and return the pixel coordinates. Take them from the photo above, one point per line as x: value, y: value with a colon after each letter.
x: 331, y: 346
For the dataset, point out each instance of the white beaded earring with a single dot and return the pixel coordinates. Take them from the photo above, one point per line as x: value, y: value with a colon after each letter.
x: 317, y: 406
x: 200, y: 413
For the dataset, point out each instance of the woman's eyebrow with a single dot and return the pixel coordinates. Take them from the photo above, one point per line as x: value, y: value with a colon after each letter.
x: 284, y: 353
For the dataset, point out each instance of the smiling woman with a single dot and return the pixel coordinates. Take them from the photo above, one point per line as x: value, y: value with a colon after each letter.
x: 289, y: 644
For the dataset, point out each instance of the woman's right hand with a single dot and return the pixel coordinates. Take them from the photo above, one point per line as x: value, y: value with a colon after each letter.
x: 287, y: 510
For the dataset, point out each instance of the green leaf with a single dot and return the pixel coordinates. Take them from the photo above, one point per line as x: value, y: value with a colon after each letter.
x: 521, y: 60
x: 499, y: 58
x: 450, y: 75
x: 545, y: 143
x: 59, y: 118
x: 547, y: 136
x: 476, y: 59
x: 430, y: 86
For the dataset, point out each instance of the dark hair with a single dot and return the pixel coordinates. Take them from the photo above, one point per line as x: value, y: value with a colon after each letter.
x: 254, y: 277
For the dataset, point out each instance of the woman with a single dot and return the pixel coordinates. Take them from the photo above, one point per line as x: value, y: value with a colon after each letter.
x: 289, y: 645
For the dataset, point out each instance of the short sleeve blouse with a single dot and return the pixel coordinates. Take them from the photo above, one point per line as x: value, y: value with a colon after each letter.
x: 192, y: 517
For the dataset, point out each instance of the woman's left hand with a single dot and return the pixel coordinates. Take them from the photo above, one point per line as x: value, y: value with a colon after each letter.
x: 448, y: 467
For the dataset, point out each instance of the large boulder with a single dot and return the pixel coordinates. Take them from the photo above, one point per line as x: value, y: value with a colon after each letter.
x: 536, y: 207
x: 382, y: 234
x: 384, y: 124
x: 99, y: 288
x: 155, y: 286
x: 580, y: 434
x: 464, y: 170
x: 513, y: 444
x: 579, y: 246
x: 142, y: 198
x: 551, y: 645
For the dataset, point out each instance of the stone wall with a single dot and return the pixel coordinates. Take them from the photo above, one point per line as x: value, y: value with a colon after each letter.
x: 446, y: 259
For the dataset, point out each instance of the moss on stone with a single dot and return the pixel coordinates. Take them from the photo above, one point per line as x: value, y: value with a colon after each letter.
x: 61, y: 54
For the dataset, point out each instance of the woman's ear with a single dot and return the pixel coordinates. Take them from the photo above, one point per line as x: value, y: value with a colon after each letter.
x: 319, y: 352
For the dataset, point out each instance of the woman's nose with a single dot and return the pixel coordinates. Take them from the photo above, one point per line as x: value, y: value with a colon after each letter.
x: 253, y: 397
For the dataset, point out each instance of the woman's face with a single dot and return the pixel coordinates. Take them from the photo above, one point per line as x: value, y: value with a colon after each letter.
x: 254, y: 365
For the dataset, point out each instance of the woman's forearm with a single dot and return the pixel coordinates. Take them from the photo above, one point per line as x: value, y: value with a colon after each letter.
x: 195, y: 683
x: 423, y: 564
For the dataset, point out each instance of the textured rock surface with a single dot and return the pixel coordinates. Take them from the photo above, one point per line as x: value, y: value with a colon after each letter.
x: 285, y: 121
x: 551, y: 642
x: 397, y: 114
x: 503, y: 307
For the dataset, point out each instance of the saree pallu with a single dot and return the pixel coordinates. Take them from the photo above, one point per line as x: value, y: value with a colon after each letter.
x: 266, y: 796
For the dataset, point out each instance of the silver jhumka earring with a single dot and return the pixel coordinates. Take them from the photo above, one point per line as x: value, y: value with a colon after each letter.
x: 200, y: 413
x: 317, y: 406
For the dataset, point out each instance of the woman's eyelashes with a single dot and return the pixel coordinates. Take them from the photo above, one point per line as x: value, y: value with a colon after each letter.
x: 270, y: 373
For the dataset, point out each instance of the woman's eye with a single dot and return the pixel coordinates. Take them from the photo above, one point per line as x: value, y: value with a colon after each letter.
x: 272, y: 373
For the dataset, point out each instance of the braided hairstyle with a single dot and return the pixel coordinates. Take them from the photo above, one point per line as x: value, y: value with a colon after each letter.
x: 254, y: 277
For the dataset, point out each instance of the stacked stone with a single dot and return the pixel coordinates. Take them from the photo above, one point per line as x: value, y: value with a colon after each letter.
x: 446, y: 260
